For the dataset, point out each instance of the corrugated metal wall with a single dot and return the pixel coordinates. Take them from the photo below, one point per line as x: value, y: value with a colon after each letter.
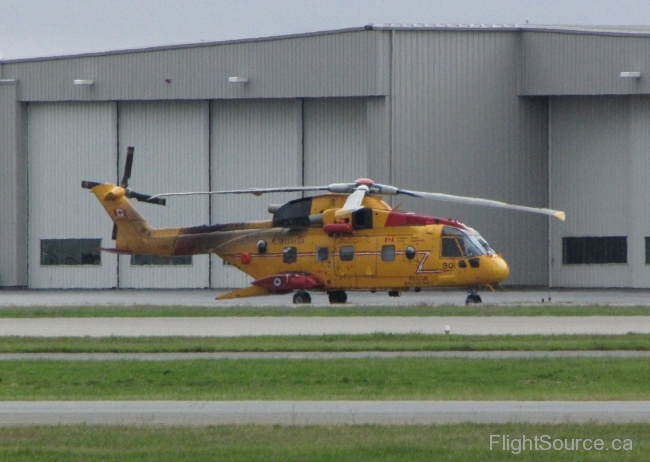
x: 255, y: 143
x: 13, y: 188
x: 68, y: 143
x: 171, y: 154
x: 336, y: 140
x: 460, y: 128
x: 583, y: 64
x: 341, y: 64
x: 600, y: 175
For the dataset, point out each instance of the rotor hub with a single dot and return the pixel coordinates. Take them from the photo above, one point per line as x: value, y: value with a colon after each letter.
x: 364, y: 181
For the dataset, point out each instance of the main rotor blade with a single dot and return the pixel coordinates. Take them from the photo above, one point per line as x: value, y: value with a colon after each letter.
x: 353, y: 202
x: 127, y: 167
x: 259, y: 191
x: 145, y: 198
x: 483, y: 202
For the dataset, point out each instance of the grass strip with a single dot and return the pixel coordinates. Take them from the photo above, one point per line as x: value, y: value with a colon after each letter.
x: 444, y: 443
x: 333, y: 379
x: 302, y: 310
x: 326, y: 343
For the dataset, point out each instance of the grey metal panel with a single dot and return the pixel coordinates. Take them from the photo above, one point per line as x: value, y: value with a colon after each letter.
x: 460, y: 128
x: 67, y: 143
x: 379, y: 139
x: 336, y: 140
x: 13, y: 188
x: 583, y: 64
x: 343, y: 64
x: 253, y: 144
x: 171, y: 154
x: 639, y: 206
x: 591, y: 172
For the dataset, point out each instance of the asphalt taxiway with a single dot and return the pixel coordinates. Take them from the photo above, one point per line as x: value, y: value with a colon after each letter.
x: 321, y: 325
x: 160, y: 413
x: 205, y: 297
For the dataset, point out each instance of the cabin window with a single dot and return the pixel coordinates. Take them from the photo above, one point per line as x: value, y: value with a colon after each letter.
x: 450, y: 247
x: 594, y: 250
x: 347, y: 253
x: 289, y: 255
x: 388, y: 253
x: 156, y: 260
x: 322, y: 253
x: 409, y: 252
x: 70, y: 252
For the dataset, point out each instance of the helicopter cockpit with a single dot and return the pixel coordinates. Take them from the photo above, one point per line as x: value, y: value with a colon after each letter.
x: 457, y: 243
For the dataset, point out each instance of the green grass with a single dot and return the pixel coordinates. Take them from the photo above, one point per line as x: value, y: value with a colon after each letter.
x: 366, y: 342
x: 333, y: 379
x: 302, y: 310
x: 443, y: 443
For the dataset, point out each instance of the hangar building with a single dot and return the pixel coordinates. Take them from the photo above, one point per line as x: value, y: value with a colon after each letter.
x: 536, y: 116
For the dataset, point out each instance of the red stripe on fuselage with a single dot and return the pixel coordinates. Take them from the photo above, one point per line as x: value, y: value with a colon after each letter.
x: 413, y: 219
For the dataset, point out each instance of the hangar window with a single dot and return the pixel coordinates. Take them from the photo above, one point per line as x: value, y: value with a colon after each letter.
x: 155, y: 260
x: 347, y: 253
x: 647, y: 250
x: 57, y: 252
x: 594, y: 250
x: 289, y: 254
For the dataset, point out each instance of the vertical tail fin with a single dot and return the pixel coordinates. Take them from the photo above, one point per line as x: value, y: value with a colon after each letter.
x: 128, y: 221
x: 129, y: 229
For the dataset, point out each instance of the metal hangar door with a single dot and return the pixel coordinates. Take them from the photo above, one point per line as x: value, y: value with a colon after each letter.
x: 171, y: 141
x: 254, y: 143
x: 600, y: 175
x: 335, y: 140
x: 67, y: 143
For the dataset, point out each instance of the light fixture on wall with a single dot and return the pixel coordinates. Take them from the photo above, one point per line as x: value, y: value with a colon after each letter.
x: 630, y: 74
x: 83, y: 81
x: 238, y: 79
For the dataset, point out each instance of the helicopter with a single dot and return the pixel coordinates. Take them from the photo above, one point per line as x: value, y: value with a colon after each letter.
x: 347, y: 239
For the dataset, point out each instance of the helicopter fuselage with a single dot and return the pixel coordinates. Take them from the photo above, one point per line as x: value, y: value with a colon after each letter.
x: 313, y: 243
x: 396, y: 258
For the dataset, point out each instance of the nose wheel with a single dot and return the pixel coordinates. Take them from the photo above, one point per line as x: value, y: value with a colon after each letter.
x: 301, y: 298
x: 337, y: 296
x: 472, y: 297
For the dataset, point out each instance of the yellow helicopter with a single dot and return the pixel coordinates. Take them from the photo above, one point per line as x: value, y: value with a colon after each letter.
x: 347, y: 239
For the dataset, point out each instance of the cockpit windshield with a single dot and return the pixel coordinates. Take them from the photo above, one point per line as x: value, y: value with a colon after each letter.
x: 460, y: 243
x: 486, y: 247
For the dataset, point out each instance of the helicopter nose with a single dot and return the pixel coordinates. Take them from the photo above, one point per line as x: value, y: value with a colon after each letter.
x: 500, y: 269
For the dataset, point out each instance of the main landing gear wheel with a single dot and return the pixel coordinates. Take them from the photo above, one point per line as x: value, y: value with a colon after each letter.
x: 338, y: 296
x: 301, y: 298
x: 472, y: 297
